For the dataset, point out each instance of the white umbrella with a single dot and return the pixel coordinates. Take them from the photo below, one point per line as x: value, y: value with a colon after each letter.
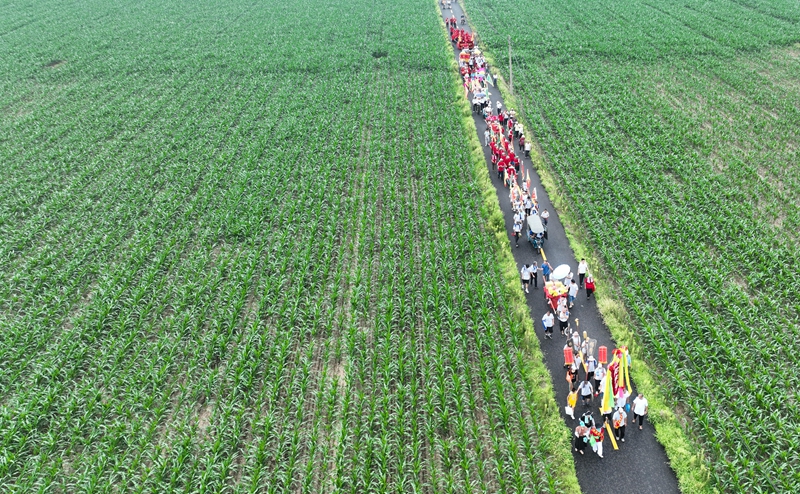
x: 560, y: 272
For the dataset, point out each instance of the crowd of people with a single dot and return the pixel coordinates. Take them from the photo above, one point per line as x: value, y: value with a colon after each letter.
x: 561, y: 295
x: 504, y: 135
x: 610, y: 384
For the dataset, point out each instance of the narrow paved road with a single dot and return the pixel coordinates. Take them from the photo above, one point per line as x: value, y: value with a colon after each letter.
x: 640, y: 465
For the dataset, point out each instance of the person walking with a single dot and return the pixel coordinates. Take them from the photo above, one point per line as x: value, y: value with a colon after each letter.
x: 499, y: 107
x: 563, y: 319
x: 572, y: 375
x: 586, y: 391
x: 581, y: 438
x: 585, y: 348
x: 545, y: 216
x: 620, y: 420
x: 573, y: 292
x: 561, y: 304
x: 528, y: 204
x: 486, y: 135
x: 583, y: 267
x: 589, y: 286
x: 572, y: 400
x: 534, y: 269
x: 591, y: 366
x: 576, y: 341
x: 519, y: 216
x: 587, y: 419
x: 607, y: 415
x: 596, y: 436
x: 599, y: 380
x: 546, y: 270
x: 512, y: 175
x: 640, y: 409
x: 525, y: 274
x: 548, y: 321
x: 517, y: 230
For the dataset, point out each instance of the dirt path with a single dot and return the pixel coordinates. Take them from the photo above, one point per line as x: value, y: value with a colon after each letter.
x: 640, y: 464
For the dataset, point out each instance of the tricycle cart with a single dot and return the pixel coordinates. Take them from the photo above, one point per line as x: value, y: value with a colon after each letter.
x: 536, y: 232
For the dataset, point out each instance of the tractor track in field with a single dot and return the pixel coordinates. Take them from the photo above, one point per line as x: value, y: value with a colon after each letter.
x: 640, y: 464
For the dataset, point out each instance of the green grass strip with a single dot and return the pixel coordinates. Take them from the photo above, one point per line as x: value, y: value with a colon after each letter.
x: 687, y: 458
x: 554, y: 435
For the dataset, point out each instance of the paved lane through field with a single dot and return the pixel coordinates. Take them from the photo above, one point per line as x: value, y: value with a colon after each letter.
x: 640, y: 465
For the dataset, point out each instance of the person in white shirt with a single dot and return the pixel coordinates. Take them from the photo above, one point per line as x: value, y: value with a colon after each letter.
x: 591, y: 366
x: 620, y: 420
x: 583, y: 267
x: 525, y: 274
x: 640, y: 409
x: 545, y: 215
x: 528, y: 206
x: 573, y: 292
x: 534, y: 269
x: 527, y: 149
x: 599, y: 379
x: 563, y: 318
x: 585, y: 389
x: 622, y: 400
x: 517, y: 230
x: 486, y: 135
x: 548, y: 321
x: 518, y: 217
x: 499, y: 107
x: 562, y: 304
x: 576, y: 341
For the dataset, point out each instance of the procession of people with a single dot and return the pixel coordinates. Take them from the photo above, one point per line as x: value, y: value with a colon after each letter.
x: 591, y: 377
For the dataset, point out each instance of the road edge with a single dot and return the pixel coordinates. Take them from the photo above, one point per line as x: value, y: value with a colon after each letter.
x: 554, y: 435
x: 691, y: 468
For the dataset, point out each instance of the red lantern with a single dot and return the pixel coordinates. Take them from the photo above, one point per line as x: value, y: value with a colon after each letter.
x: 569, y: 358
x: 602, y: 355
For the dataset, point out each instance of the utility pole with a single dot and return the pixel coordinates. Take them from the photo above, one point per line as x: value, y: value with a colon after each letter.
x: 510, y: 74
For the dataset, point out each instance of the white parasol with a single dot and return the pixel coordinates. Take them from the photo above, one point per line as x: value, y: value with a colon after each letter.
x: 560, y: 272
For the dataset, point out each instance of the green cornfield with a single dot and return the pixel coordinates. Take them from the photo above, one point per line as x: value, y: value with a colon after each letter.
x: 672, y: 127
x: 242, y: 250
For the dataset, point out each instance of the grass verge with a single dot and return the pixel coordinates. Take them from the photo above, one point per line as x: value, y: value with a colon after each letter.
x: 554, y: 435
x: 686, y: 457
